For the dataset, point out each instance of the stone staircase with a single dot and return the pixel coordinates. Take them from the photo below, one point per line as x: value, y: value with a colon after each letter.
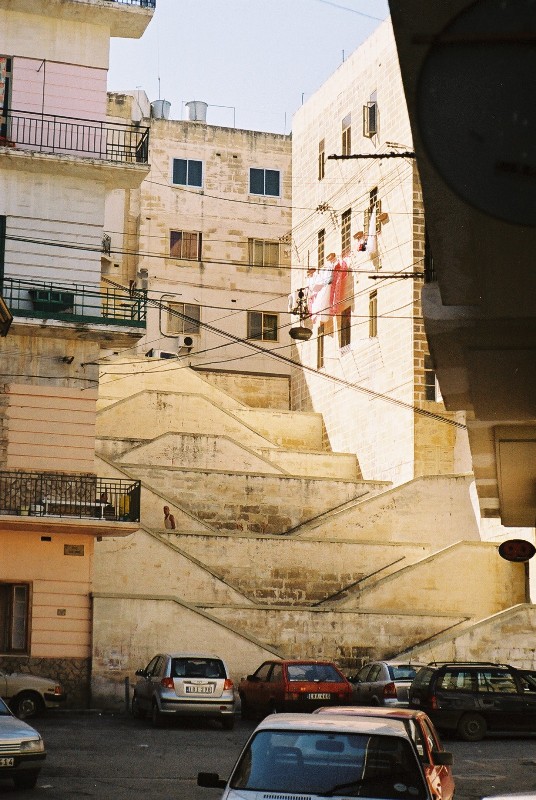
x: 280, y: 546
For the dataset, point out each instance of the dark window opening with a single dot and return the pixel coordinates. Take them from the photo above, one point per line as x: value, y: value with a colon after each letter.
x: 14, y: 608
x: 262, y: 326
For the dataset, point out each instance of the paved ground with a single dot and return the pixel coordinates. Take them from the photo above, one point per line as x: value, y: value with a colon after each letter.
x: 113, y: 757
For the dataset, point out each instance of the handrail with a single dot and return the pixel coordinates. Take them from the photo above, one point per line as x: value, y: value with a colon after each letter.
x: 74, y: 302
x: 44, y: 494
x: 53, y: 133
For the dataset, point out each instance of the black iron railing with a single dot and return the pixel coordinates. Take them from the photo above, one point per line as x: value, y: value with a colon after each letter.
x: 75, y: 303
x: 141, y: 3
x: 50, y: 494
x: 50, y: 133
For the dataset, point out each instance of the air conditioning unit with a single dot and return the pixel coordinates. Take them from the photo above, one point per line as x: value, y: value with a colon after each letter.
x: 185, y: 340
x: 153, y: 353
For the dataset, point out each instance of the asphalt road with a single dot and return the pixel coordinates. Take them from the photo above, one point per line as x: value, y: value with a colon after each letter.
x: 113, y: 757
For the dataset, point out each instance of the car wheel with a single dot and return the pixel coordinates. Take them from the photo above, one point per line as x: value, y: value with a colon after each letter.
x: 156, y: 717
x: 472, y: 727
x: 27, y: 704
x: 25, y: 780
x: 228, y: 723
x: 137, y: 712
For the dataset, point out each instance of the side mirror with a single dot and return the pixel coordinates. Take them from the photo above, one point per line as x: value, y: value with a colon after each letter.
x: 442, y: 758
x: 252, y: 678
x: 210, y: 780
x: 140, y: 673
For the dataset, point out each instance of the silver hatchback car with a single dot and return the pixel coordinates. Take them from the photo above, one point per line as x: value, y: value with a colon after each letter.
x: 187, y: 685
x: 383, y: 683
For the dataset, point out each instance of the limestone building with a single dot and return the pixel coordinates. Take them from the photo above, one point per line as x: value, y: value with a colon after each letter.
x: 207, y: 234
x: 59, y: 156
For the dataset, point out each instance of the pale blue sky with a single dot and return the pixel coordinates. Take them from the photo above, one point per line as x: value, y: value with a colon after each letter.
x: 258, y: 58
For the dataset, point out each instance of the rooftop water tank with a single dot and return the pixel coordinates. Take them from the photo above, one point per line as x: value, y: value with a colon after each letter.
x: 197, y: 111
x: 160, y: 109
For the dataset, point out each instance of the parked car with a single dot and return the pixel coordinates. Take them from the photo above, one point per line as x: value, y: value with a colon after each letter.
x: 474, y: 698
x: 292, y: 685
x: 383, y: 683
x: 435, y: 760
x: 325, y: 755
x: 187, y: 685
x: 29, y: 695
x: 22, y: 750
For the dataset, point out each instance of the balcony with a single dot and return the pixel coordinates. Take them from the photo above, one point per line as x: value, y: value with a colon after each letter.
x: 85, y: 497
x: 57, y: 135
x: 75, y: 303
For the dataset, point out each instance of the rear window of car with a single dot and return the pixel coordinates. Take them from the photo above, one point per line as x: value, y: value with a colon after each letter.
x: 197, y: 668
x: 402, y: 672
x: 328, y: 763
x: 422, y: 679
x: 313, y: 673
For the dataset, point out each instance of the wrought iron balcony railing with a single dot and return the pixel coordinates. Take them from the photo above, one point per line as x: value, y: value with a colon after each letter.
x: 50, y: 133
x: 75, y: 303
x: 50, y: 494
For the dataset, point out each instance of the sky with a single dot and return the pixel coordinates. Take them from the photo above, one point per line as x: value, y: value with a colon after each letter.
x: 253, y: 61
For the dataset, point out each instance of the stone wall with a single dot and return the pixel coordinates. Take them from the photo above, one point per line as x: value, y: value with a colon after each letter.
x: 73, y: 674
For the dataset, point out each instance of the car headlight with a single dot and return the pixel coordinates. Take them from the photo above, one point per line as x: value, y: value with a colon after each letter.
x: 32, y: 746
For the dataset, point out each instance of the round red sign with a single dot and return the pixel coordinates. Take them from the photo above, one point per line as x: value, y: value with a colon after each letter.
x: 517, y: 550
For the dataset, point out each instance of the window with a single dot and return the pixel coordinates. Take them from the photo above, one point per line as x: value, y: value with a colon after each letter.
x: 321, y: 247
x: 373, y: 314
x: 5, y: 99
x: 374, y: 203
x: 263, y: 253
x: 262, y: 326
x: 262, y: 672
x: 345, y: 327
x: 370, y: 119
x: 185, y: 244
x: 264, y: 181
x: 187, y: 172
x: 346, y: 147
x: 14, y: 600
x: 177, y: 325
x: 320, y: 347
x: 430, y: 389
x: 321, y: 159
x: 346, y: 230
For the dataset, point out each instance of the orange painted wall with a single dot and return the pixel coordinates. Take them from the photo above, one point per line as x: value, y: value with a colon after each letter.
x: 60, y: 615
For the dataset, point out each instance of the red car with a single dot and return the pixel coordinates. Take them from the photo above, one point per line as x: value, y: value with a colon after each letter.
x: 436, y: 762
x: 294, y: 685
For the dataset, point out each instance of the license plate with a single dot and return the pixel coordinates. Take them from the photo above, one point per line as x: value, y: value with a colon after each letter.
x: 319, y: 696
x: 199, y: 689
x: 7, y: 762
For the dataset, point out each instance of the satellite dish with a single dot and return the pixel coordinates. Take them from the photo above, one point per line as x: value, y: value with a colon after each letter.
x: 517, y: 550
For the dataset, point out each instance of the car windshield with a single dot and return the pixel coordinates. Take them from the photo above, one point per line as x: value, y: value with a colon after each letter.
x: 402, y: 672
x: 4, y: 710
x: 314, y: 673
x: 329, y: 764
x: 197, y: 668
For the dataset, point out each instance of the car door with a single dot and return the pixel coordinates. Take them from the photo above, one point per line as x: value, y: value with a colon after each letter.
x: 370, y: 688
x: 440, y: 776
x: 144, y: 688
x: 361, y: 687
x: 528, y: 688
x: 259, y: 687
x: 501, y: 702
x: 277, y: 688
